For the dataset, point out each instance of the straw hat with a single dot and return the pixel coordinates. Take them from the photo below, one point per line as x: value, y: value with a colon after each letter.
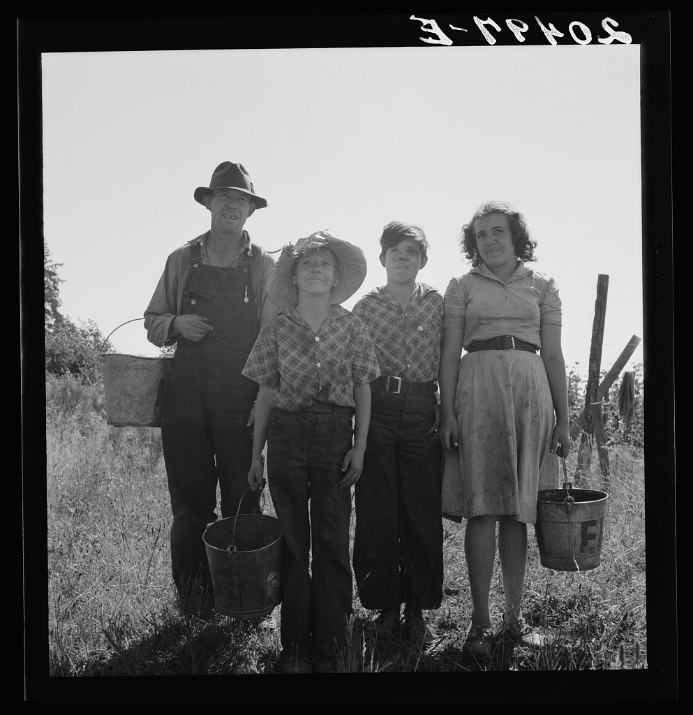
x: 230, y: 176
x: 352, y: 268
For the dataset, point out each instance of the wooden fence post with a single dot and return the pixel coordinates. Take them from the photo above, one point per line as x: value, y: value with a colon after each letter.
x: 606, y: 383
x: 591, y: 399
x: 600, y: 436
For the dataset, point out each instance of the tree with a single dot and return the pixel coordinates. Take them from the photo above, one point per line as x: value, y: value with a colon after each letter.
x: 51, y: 289
x: 69, y: 349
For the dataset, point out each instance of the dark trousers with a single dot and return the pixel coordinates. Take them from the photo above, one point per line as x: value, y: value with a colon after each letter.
x: 304, y: 456
x: 398, y: 545
x: 198, y: 456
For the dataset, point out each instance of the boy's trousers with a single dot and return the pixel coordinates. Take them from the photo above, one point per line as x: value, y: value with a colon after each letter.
x: 398, y: 547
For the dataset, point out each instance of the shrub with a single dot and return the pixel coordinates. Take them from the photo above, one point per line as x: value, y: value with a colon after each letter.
x: 75, y: 351
x: 619, y: 431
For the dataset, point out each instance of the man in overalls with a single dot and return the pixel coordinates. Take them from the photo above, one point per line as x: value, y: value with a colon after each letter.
x: 211, y: 303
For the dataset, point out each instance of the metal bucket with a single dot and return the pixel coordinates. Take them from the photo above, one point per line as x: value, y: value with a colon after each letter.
x: 134, y: 387
x: 245, y: 559
x: 570, y: 527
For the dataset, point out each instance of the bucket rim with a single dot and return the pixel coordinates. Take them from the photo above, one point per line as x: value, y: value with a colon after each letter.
x: 112, y: 353
x: 602, y: 495
x: 240, y: 516
x: 264, y: 517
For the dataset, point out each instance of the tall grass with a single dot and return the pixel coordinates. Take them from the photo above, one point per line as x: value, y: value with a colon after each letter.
x: 112, y: 609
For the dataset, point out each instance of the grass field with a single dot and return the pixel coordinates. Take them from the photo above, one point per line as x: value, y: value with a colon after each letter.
x: 112, y: 609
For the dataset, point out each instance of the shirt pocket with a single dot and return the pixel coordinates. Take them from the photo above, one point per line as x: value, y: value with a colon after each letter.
x: 200, y: 302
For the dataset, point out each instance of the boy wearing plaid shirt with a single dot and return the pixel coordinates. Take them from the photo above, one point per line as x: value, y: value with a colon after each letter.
x: 313, y: 363
x: 398, y: 546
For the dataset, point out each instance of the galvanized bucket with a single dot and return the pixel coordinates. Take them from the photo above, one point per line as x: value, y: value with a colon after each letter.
x: 570, y: 527
x: 134, y: 387
x: 244, y: 553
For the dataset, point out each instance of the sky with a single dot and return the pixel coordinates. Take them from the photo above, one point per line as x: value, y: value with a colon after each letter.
x: 347, y: 139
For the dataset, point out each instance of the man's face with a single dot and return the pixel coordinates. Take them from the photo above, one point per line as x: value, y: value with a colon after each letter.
x: 230, y: 210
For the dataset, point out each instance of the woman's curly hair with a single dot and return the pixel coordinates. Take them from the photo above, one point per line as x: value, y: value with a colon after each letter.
x: 524, y: 245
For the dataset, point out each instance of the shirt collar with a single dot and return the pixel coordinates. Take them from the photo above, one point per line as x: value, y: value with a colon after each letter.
x: 419, y: 292
x: 247, y: 245
x: 336, y: 311
x: 520, y: 272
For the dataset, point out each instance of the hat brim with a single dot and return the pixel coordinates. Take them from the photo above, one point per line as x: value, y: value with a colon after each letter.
x: 201, y: 192
x: 352, y: 267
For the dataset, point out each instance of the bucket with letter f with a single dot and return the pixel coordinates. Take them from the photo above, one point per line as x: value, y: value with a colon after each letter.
x: 570, y: 527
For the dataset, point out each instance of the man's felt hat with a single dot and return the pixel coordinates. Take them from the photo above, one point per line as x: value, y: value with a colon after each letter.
x: 230, y: 176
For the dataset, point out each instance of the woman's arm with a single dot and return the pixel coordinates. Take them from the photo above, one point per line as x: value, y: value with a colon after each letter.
x: 451, y: 349
x: 353, y: 461
x: 552, y: 355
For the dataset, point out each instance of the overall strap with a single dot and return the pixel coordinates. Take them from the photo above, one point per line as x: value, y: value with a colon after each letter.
x: 195, y: 255
x: 246, y: 263
x: 194, y: 262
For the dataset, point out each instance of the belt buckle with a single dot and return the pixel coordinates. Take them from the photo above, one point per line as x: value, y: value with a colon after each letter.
x: 512, y: 342
x: 399, y: 384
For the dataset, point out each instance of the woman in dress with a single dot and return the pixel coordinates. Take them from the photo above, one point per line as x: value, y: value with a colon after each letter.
x: 504, y: 407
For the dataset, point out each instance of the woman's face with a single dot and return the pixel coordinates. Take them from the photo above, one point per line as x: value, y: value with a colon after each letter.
x: 316, y: 271
x: 494, y: 242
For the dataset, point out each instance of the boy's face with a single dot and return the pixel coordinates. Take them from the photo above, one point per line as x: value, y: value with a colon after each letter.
x: 315, y: 272
x: 403, y: 262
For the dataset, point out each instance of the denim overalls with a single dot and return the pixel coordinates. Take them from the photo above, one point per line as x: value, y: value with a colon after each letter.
x: 205, y: 433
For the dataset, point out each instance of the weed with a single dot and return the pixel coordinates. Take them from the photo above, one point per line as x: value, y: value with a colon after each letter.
x: 113, y: 611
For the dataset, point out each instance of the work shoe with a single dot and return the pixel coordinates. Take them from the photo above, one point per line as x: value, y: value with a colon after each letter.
x: 293, y: 664
x: 266, y: 623
x: 196, y: 602
x: 521, y: 633
x: 416, y: 626
x: 479, y: 641
x: 385, y: 624
x: 326, y: 665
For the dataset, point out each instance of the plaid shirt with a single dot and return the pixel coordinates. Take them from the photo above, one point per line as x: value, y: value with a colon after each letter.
x: 407, y: 340
x: 303, y: 366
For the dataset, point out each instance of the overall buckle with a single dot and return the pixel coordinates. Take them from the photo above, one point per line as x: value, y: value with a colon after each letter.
x: 399, y: 384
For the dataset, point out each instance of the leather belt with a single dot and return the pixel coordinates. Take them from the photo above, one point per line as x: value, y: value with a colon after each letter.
x: 318, y: 406
x: 398, y: 386
x: 502, y: 342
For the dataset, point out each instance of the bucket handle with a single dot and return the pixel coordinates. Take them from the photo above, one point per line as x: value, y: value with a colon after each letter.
x: 231, y: 548
x: 132, y: 320
x: 568, y: 501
